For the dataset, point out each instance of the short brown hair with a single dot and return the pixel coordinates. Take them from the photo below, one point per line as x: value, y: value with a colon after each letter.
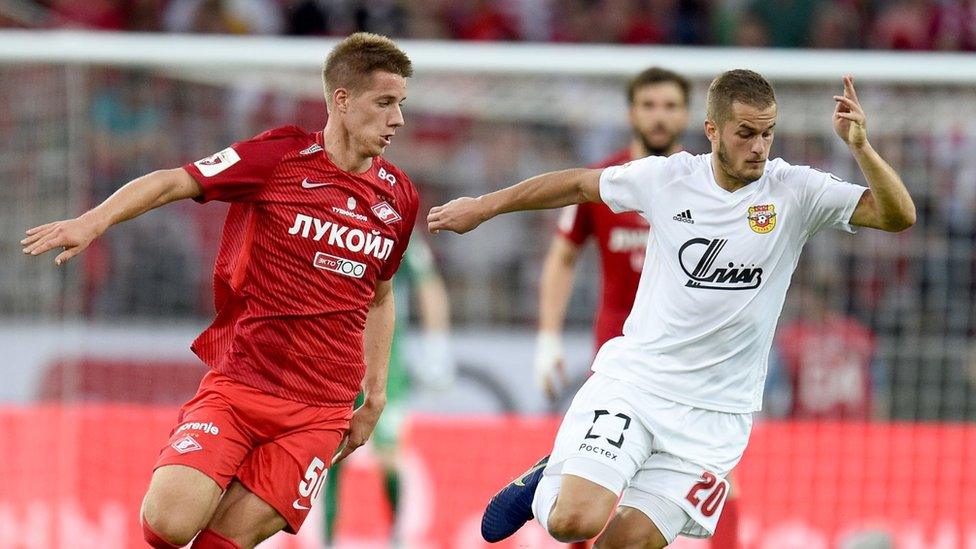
x: 657, y: 75
x: 354, y: 59
x: 740, y: 85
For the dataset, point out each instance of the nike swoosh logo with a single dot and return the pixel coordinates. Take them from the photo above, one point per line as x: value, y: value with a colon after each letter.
x: 521, y: 480
x: 299, y: 506
x: 307, y: 185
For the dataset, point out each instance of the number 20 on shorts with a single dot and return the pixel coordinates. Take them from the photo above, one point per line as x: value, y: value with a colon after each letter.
x: 715, y: 491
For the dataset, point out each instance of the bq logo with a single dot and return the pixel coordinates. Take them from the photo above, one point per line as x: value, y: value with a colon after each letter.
x: 339, y: 265
x: 762, y: 218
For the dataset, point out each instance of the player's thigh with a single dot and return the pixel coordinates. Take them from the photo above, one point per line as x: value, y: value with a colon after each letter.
x: 600, y: 438
x: 632, y: 529
x: 244, y: 517
x: 289, y: 472
x: 179, y: 502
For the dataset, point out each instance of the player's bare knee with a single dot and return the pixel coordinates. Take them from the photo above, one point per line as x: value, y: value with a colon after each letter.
x: 574, y: 523
x: 174, y: 528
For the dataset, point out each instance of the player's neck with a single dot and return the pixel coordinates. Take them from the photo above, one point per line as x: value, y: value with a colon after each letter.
x: 339, y: 146
x: 638, y: 150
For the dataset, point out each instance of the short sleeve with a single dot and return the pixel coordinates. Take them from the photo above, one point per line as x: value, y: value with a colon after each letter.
x: 576, y: 223
x: 403, y: 239
x: 241, y: 172
x: 829, y: 201
x: 628, y: 187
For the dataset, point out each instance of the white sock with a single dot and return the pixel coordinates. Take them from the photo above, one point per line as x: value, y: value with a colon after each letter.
x: 545, y: 498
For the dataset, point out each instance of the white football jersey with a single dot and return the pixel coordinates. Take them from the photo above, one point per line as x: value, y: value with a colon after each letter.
x: 716, y: 272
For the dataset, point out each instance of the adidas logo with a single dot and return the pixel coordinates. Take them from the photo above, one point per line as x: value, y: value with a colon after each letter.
x: 684, y: 217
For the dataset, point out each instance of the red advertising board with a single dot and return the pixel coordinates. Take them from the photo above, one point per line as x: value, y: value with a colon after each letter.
x: 73, y: 476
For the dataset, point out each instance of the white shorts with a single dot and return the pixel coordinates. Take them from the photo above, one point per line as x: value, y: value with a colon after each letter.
x: 651, y: 450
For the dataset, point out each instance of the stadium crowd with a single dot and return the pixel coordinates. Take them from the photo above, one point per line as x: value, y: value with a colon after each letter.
x: 871, y: 24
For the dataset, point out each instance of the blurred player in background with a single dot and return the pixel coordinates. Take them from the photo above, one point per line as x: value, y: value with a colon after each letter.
x: 658, y: 115
x: 825, y: 366
x: 668, y: 411
x: 316, y: 229
x: 658, y: 102
x: 434, y: 369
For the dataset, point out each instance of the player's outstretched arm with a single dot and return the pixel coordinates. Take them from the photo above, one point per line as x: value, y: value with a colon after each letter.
x: 887, y: 204
x: 135, y: 198
x: 549, y: 190
x: 376, y: 345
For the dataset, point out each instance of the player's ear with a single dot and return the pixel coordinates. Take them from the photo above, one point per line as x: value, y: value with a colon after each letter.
x: 340, y: 98
x: 711, y: 131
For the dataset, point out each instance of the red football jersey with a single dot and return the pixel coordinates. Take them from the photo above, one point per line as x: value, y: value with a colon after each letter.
x: 622, y: 240
x: 303, y: 247
x: 829, y: 368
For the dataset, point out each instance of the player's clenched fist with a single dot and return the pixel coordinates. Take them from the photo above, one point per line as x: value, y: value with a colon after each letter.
x: 459, y: 215
x: 72, y: 235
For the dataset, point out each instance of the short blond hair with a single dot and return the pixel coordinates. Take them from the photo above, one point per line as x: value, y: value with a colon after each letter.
x: 744, y: 86
x: 353, y: 60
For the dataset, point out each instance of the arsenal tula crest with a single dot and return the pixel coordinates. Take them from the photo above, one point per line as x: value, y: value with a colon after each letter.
x: 762, y: 218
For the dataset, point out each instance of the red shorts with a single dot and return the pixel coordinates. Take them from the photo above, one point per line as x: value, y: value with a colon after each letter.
x: 278, y: 449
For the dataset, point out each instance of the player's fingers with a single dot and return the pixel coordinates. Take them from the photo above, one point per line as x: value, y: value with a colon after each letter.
x: 48, y: 242
x: 847, y: 102
x: 849, y: 87
x: 853, y: 117
x: 40, y: 228
x: 30, y: 240
x: 66, y: 255
x: 549, y: 389
x: 351, y: 446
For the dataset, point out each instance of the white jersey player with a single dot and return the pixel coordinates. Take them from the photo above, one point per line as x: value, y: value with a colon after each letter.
x: 668, y: 412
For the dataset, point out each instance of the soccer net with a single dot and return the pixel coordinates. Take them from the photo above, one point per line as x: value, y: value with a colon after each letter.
x: 880, y: 325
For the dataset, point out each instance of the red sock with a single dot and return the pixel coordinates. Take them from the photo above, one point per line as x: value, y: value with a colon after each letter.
x: 155, y: 540
x: 727, y: 531
x: 208, y: 539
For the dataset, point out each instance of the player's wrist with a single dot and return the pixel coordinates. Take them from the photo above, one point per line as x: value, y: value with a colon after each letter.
x: 549, y: 339
x: 375, y: 400
x: 98, y: 222
x: 860, y: 148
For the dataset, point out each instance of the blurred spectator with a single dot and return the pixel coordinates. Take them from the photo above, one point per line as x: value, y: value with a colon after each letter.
x: 482, y: 20
x: 308, y: 18
x: 824, y: 364
x: 838, y: 27
x: 92, y: 14
x: 906, y: 25
x: 224, y: 16
x: 788, y: 22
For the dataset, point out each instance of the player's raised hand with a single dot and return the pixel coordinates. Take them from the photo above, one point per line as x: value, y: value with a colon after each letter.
x: 459, y: 215
x: 850, y: 122
x: 72, y: 236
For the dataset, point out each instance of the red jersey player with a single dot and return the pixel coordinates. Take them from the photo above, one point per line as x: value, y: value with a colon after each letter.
x: 316, y: 229
x: 658, y: 116
x: 827, y: 367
